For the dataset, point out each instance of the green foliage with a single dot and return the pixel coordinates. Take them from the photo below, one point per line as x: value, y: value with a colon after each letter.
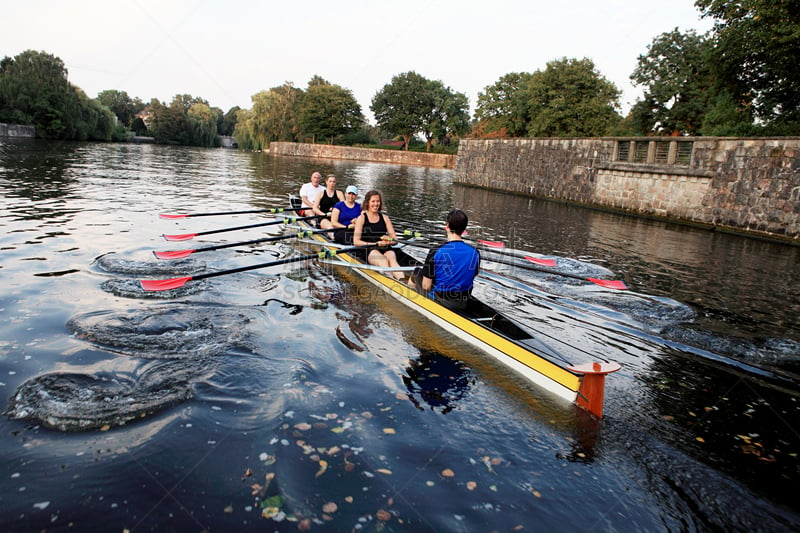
x: 34, y: 90
x: 756, y: 55
x: 504, y: 106
x: 571, y: 99
x: 677, y: 80
x: 122, y: 105
x: 227, y: 124
x: 399, y: 107
x: 274, y: 117
x: 201, y: 121
x: 448, y: 117
x: 413, y: 104
x: 326, y: 111
x: 726, y: 118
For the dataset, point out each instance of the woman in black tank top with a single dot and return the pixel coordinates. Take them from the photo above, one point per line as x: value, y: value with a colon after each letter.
x: 375, y: 227
x: 326, y: 200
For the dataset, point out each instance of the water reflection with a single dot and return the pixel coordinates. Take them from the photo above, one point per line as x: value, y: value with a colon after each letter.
x: 436, y: 381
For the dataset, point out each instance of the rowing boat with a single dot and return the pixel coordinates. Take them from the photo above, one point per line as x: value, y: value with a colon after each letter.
x: 489, y: 330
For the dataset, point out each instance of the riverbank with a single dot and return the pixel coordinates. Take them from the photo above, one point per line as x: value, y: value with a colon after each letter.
x: 395, y: 157
x: 19, y: 131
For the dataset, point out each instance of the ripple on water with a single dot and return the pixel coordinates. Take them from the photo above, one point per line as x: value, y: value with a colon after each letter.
x: 78, y: 402
x: 132, y: 288
x: 183, y: 331
x: 120, y: 265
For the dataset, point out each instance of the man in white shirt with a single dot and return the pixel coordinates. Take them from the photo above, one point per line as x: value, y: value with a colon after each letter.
x: 309, y: 192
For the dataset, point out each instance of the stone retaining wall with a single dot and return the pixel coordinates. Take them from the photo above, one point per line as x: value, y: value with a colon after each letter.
x: 747, y: 185
x: 396, y: 157
x: 17, y: 130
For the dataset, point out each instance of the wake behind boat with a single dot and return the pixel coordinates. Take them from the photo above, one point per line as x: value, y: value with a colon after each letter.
x: 486, y: 328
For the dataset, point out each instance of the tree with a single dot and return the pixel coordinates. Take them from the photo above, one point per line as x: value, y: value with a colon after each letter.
x: 448, y: 116
x: 504, y: 106
x: 571, y: 99
x: 122, y: 105
x: 328, y: 110
x: 400, y: 106
x: 202, y: 124
x: 756, y: 54
x: 34, y: 90
x: 273, y: 117
x: 228, y: 121
x: 677, y: 80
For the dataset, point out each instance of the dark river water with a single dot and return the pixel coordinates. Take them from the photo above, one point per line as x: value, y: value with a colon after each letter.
x: 300, y: 398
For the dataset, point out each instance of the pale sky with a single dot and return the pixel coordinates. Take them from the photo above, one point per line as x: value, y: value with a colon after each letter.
x: 227, y: 51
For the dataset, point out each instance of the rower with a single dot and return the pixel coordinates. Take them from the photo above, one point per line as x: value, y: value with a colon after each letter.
x: 309, y: 192
x: 450, y: 269
x: 325, y: 200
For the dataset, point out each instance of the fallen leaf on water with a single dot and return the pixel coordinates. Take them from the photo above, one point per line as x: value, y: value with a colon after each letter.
x: 389, y: 431
x: 471, y: 485
x: 303, y: 426
x: 700, y: 439
x: 338, y: 429
x: 536, y: 493
x: 448, y: 473
x: 330, y: 507
x: 105, y: 428
x: 333, y: 450
x: 383, y: 516
x: 348, y: 499
x: 401, y: 396
x: 247, y: 474
x: 384, y: 471
x: 228, y: 509
x: 323, y: 465
x: 304, y: 525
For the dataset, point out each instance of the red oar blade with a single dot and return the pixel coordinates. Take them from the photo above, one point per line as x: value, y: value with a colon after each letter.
x: 163, y: 284
x: 183, y: 237
x: 540, y: 261
x: 609, y: 283
x: 492, y: 244
x: 165, y: 215
x: 178, y: 254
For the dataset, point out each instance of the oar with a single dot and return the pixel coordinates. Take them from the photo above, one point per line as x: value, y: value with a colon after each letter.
x: 497, y: 247
x: 607, y: 283
x: 272, y: 210
x: 175, y: 283
x: 180, y: 254
x: 189, y: 236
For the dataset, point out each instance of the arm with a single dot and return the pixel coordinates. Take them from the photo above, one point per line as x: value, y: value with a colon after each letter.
x: 315, y: 204
x: 335, y: 218
x: 427, y: 283
x: 428, y: 271
x: 357, y: 232
x: 308, y: 203
x: 389, y: 228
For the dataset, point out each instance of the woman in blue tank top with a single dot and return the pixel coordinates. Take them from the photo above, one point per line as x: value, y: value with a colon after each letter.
x: 375, y: 227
